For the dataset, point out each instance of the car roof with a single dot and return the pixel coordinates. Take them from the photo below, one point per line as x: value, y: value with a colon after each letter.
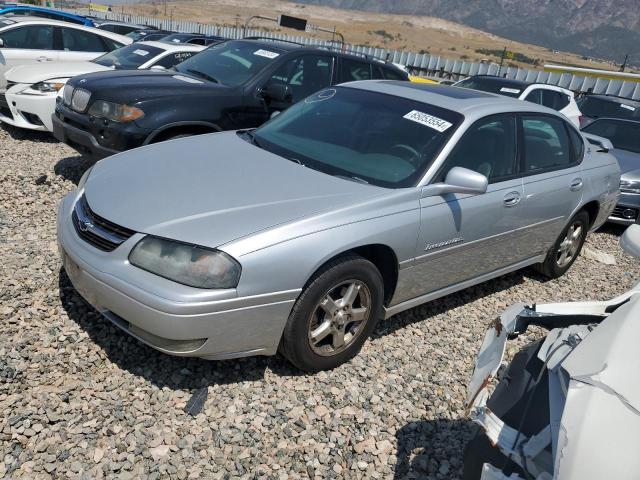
x: 463, y: 100
x: 34, y: 20
x: 614, y: 98
x: 60, y: 13
x: 172, y: 47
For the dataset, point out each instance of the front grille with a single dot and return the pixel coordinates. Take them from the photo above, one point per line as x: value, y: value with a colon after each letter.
x: 80, y: 99
x: 625, y: 213
x: 99, y: 232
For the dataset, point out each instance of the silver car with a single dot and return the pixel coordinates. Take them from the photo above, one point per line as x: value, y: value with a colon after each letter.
x: 623, y: 143
x: 355, y: 204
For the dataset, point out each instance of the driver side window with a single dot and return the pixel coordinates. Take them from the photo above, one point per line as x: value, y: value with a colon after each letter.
x: 487, y: 147
x: 304, y: 75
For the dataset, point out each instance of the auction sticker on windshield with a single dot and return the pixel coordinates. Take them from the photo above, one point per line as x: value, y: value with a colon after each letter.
x: 510, y: 90
x: 628, y: 107
x: 266, y: 53
x: 428, y: 120
x: 142, y: 53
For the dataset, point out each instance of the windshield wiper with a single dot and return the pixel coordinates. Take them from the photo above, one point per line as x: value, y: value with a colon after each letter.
x: 353, y: 179
x: 200, y: 74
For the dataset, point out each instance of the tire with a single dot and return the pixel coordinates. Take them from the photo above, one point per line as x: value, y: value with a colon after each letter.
x: 556, y: 265
x: 325, y: 302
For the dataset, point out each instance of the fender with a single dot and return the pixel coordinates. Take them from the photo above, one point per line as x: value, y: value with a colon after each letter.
x: 168, y: 126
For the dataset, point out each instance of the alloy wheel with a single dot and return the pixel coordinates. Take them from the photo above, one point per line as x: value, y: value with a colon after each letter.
x: 570, y: 245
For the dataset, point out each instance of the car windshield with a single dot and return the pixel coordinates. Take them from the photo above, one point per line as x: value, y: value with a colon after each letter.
x: 137, y: 35
x: 595, y: 107
x: 623, y: 134
x: 129, y: 57
x: 230, y: 63
x: 360, y: 135
x: 492, y: 85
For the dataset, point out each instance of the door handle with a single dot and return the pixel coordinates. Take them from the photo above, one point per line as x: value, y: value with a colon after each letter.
x: 512, y: 199
x: 576, y: 184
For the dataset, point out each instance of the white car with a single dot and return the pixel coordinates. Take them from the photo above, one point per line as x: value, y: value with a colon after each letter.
x: 37, y: 40
x: 32, y: 89
x: 558, y: 98
x: 568, y: 406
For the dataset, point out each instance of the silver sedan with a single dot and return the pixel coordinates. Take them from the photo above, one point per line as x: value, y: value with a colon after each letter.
x: 355, y: 204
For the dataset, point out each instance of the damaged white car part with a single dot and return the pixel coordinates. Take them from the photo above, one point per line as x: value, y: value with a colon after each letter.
x: 590, y: 364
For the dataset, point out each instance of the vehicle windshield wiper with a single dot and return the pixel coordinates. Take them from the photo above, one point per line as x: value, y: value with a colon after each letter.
x: 200, y: 74
x: 353, y: 178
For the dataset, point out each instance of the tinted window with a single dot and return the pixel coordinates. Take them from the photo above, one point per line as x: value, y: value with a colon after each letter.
x: 304, y: 75
x: 546, y: 144
x: 129, y: 57
x: 119, y: 29
x: 487, y: 147
x: 616, y: 108
x: 80, y: 41
x: 353, y: 70
x: 391, y: 74
x: 500, y: 86
x: 623, y: 135
x: 230, y: 63
x: 33, y: 37
x: 361, y: 135
x: 173, y: 59
x: 555, y: 100
x: 534, y: 96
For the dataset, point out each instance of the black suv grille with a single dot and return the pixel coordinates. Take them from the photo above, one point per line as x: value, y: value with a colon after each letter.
x: 97, y: 231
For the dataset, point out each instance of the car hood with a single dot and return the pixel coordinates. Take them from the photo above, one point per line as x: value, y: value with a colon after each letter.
x: 211, y: 189
x: 39, y: 72
x: 628, y: 161
x: 128, y: 86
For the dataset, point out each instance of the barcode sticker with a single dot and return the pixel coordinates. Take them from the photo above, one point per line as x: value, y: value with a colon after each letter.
x: 428, y: 120
x: 266, y: 53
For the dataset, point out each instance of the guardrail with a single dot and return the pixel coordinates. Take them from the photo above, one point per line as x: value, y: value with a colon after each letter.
x: 419, y: 63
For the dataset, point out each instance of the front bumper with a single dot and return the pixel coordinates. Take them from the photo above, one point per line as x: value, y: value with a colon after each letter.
x: 32, y: 112
x: 95, y: 137
x: 627, y: 211
x: 170, y: 317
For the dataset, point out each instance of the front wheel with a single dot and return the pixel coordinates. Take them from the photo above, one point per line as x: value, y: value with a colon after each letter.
x: 567, y: 247
x: 334, y: 315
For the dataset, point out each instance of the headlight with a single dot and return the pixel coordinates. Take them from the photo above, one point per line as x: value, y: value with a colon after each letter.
x: 187, y: 264
x: 115, y: 112
x: 49, y: 86
x: 84, y: 177
x: 630, y: 186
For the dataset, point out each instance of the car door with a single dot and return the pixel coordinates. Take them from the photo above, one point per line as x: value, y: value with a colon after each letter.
x: 24, y: 44
x: 552, y: 178
x: 80, y: 45
x: 464, y: 237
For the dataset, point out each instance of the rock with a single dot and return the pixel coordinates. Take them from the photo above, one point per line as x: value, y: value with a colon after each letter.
x: 598, y: 256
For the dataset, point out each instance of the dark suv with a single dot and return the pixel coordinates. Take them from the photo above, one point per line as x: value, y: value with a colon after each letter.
x: 232, y: 85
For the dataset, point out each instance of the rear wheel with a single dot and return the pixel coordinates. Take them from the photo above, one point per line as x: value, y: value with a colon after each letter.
x: 567, y: 247
x: 334, y: 315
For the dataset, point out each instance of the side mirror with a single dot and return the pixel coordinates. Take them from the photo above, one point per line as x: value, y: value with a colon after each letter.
x: 630, y: 240
x: 277, y: 92
x: 603, y: 144
x: 458, y: 180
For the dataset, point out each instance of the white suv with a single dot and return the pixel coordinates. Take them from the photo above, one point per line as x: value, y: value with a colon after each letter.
x: 558, y: 98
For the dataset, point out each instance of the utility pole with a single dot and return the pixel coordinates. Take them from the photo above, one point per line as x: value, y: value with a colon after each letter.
x: 504, y: 52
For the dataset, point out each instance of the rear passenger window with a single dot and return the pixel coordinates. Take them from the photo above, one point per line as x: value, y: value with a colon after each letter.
x: 555, y: 100
x: 353, y: 70
x: 546, y: 144
x: 534, y: 96
x: 80, y: 41
x: 487, y: 147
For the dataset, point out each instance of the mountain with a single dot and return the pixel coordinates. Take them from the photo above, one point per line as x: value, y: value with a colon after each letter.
x: 598, y: 28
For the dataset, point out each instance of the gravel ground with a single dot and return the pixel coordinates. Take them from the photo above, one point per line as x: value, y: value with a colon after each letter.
x: 80, y: 399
